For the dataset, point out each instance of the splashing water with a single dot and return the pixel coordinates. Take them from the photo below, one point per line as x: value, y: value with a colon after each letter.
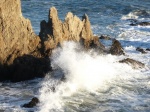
x: 84, y: 71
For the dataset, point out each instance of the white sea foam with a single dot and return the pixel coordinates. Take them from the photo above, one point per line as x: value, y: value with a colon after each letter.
x: 131, y: 15
x: 84, y: 71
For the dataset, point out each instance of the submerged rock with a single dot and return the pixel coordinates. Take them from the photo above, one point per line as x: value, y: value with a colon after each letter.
x: 116, y: 48
x: 144, y: 23
x: 32, y: 103
x: 148, y: 49
x: 105, y: 37
x: 133, y: 63
x: 141, y: 50
x: 140, y: 24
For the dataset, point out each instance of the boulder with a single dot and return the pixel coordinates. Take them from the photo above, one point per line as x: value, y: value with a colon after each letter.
x: 147, y: 49
x: 32, y: 103
x: 116, y: 48
x: 141, y: 50
x: 105, y: 37
x: 133, y: 63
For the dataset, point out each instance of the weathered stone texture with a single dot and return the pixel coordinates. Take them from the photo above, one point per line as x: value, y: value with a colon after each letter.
x: 16, y: 35
x: 72, y: 29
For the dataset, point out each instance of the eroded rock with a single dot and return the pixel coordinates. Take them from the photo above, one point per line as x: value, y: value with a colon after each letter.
x: 16, y: 35
x: 133, y: 63
x: 20, y: 48
x: 55, y: 32
x: 141, y: 50
x: 32, y: 103
x: 116, y: 48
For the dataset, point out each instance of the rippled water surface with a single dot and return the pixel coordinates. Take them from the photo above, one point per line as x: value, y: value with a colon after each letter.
x: 94, y: 82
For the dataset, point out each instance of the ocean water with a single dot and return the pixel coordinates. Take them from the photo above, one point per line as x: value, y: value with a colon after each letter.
x: 93, y: 82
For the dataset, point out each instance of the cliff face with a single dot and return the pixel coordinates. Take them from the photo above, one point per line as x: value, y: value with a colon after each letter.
x: 55, y: 32
x: 16, y: 35
x: 20, y: 57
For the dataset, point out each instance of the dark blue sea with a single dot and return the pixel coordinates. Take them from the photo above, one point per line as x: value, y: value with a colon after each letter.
x: 94, y: 83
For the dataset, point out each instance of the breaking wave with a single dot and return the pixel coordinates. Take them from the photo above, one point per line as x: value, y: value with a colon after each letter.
x: 82, y: 71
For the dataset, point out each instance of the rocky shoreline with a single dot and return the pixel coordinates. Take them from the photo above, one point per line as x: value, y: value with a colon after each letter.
x: 25, y: 55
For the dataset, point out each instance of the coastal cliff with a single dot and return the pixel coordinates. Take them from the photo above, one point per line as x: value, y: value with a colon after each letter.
x: 16, y: 34
x: 19, y: 45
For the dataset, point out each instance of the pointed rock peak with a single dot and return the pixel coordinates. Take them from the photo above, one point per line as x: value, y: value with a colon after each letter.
x: 69, y: 15
x: 53, y: 13
x: 53, y: 9
x: 86, y: 31
x: 85, y: 17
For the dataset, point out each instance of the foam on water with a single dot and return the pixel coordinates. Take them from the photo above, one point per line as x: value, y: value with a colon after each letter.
x: 84, y: 71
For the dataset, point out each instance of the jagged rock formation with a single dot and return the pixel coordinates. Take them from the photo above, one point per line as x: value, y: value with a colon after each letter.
x: 24, y: 55
x: 55, y: 31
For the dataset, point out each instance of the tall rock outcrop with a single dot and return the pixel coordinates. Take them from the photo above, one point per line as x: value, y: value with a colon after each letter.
x: 20, y: 47
x: 16, y: 35
x: 55, y: 31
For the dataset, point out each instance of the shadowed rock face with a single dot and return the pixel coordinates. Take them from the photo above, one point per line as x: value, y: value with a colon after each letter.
x: 116, y: 48
x: 55, y: 32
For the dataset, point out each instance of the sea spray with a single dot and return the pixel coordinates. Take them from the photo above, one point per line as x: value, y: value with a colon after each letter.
x: 83, y: 71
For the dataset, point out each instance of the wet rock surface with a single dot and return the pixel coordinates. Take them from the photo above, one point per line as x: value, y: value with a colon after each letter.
x: 32, y: 103
x: 116, y: 48
x: 105, y: 37
x: 135, y: 22
x: 133, y: 63
x: 148, y: 49
x: 141, y: 50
